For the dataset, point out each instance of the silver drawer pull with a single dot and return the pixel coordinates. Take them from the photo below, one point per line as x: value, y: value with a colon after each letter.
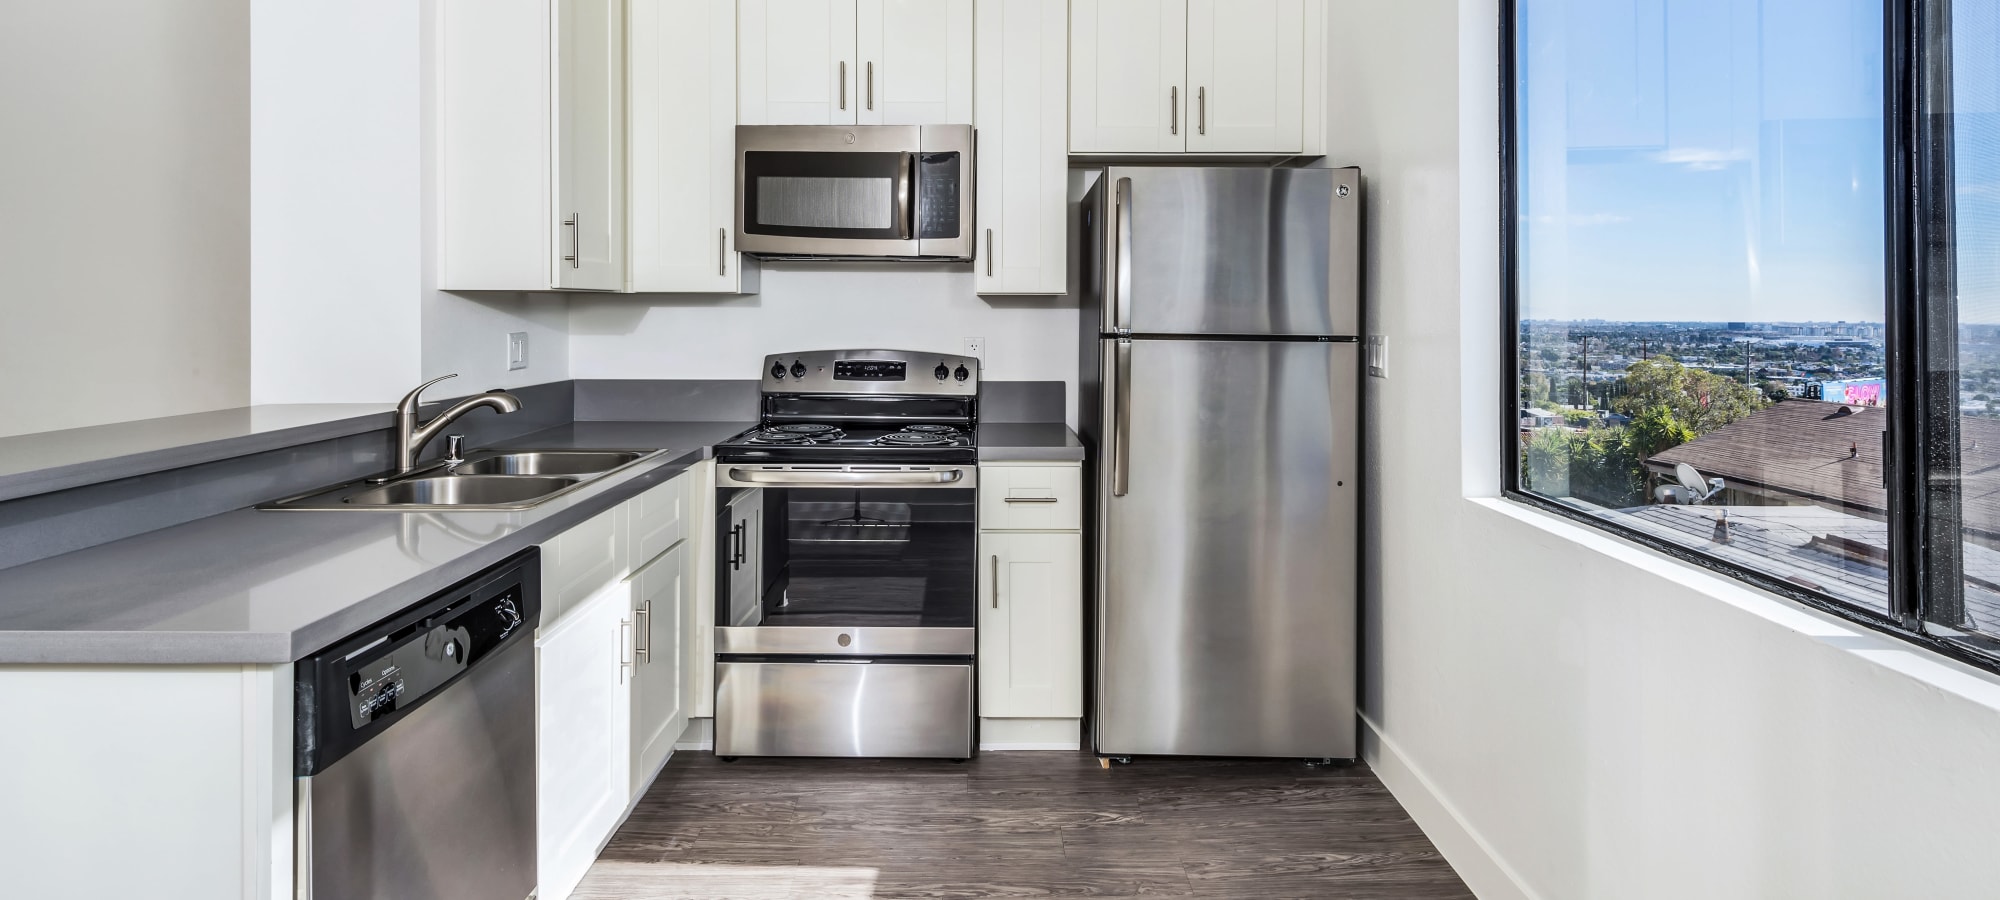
x: 1030, y: 499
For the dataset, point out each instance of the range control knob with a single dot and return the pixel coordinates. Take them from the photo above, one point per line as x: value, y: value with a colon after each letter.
x: 798, y: 369
x: 961, y: 373
x: 941, y: 372
x: 778, y: 371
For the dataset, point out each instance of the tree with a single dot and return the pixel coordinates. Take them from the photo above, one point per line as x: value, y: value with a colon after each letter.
x: 1655, y: 430
x: 1697, y: 399
x: 1534, y: 389
x: 1775, y: 391
x: 1573, y: 392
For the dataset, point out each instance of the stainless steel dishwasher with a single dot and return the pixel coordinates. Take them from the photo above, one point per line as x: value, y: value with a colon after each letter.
x: 416, y: 749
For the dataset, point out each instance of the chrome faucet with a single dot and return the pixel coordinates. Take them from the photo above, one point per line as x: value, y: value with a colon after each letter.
x: 411, y: 437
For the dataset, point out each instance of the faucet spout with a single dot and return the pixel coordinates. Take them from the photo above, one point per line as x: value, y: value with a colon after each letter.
x: 411, y: 437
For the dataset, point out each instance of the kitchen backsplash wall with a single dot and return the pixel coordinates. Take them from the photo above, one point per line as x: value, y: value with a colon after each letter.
x: 816, y: 306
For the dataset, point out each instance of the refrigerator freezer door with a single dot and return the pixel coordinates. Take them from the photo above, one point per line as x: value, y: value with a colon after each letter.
x: 1230, y: 251
x: 1226, y: 614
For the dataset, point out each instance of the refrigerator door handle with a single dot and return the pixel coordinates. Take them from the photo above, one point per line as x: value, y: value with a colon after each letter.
x: 1121, y: 266
x: 1121, y: 421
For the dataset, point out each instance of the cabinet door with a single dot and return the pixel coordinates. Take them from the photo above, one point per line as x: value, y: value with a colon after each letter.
x: 1023, y: 177
x: 1031, y: 625
x: 1245, y: 65
x: 683, y: 143
x: 589, y: 114
x: 1127, y: 64
x: 583, y: 751
x: 916, y: 62
x: 795, y: 63
x: 658, y: 714
x: 742, y: 539
x: 493, y: 145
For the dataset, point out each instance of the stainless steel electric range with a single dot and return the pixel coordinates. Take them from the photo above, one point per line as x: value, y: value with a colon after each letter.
x: 847, y: 576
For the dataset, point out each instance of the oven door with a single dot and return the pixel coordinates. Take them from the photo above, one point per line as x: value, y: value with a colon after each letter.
x: 877, y: 191
x: 846, y: 560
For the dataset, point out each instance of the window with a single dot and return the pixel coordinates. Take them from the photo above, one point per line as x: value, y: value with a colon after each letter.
x: 1722, y: 320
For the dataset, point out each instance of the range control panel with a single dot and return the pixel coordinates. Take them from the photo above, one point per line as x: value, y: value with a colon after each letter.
x: 908, y: 372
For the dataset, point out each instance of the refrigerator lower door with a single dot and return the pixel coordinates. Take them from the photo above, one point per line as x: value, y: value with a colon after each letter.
x: 1227, y: 515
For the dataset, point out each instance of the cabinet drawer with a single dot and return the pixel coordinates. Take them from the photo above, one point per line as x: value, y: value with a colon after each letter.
x: 1030, y: 498
x: 581, y: 561
x: 657, y: 520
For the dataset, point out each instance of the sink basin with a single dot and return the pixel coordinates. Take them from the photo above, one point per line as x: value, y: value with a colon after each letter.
x: 460, y: 490
x: 488, y: 479
x: 547, y: 462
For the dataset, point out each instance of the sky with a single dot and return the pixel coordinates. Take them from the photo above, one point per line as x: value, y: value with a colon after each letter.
x: 1711, y: 160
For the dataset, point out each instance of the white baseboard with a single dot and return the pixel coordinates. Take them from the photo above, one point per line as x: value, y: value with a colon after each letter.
x: 1482, y: 870
x: 1030, y: 734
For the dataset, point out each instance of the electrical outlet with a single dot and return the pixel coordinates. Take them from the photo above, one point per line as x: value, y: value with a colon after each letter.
x: 1376, y: 350
x: 517, y: 350
x: 976, y: 347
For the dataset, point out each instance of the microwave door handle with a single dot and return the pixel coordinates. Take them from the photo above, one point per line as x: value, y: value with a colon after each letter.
x: 906, y: 201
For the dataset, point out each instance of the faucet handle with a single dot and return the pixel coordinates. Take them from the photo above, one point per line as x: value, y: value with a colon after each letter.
x: 409, y: 401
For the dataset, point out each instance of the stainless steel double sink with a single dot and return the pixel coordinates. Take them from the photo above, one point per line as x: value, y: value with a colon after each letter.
x: 487, y: 479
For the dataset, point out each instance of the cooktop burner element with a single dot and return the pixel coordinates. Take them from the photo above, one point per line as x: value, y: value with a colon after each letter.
x: 912, y: 439
x: 932, y: 429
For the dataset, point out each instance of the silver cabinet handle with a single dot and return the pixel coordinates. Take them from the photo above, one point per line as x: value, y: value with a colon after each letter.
x: 834, y: 479
x: 1174, y: 109
x: 1121, y: 423
x: 721, y: 251
x: 989, y: 253
x: 843, y: 84
x: 642, y: 627
x: 1030, y: 499
x: 575, y: 257
x: 996, y: 581
x: 1201, y: 110
x: 1121, y: 288
x: 871, y: 84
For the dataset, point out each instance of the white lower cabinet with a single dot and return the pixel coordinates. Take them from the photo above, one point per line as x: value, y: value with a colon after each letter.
x: 1031, y: 625
x: 583, y: 706
x: 660, y: 597
x: 1030, y: 607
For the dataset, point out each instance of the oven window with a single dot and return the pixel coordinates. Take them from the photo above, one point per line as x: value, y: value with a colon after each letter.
x: 875, y: 557
x: 826, y: 195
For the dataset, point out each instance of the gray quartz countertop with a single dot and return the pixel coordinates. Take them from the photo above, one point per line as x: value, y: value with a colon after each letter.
x: 54, y: 460
x: 1028, y: 442
x: 256, y: 586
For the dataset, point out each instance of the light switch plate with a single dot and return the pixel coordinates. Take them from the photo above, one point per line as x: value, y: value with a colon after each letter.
x: 517, y: 350
x: 1375, y: 348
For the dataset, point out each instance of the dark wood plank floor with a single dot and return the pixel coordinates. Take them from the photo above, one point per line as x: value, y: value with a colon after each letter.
x: 1038, y: 824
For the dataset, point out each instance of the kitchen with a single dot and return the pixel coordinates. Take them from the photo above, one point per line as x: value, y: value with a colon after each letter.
x: 791, y: 448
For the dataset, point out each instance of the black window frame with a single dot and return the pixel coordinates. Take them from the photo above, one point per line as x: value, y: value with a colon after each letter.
x: 1920, y: 338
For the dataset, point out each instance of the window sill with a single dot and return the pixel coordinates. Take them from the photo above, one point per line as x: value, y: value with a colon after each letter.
x: 1896, y: 655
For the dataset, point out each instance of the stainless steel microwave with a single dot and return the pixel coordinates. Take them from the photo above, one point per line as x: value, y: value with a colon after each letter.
x: 854, y: 191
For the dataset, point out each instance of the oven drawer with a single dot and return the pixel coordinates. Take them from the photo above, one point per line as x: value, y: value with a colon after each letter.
x: 865, y: 709
x: 1030, y: 498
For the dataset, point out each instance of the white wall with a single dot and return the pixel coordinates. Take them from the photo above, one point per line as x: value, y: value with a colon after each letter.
x: 817, y: 306
x: 124, y: 210
x: 1569, y: 716
x: 343, y: 174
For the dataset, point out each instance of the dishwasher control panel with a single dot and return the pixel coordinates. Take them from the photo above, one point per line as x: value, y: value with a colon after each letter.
x: 349, y: 692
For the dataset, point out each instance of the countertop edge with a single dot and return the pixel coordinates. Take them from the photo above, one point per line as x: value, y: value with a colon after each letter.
x: 196, y: 648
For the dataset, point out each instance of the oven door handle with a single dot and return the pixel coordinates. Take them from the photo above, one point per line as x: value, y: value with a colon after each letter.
x: 906, y: 197
x: 844, y: 479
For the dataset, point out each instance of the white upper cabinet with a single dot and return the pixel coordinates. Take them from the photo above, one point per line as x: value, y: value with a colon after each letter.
x: 683, y: 143
x: 589, y: 116
x: 1023, y: 170
x: 854, y: 62
x: 915, y: 59
x: 1128, y: 65
x: 1246, y: 66
x: 1196, y: 76
x: 795, y: 63
x: 493, y: 145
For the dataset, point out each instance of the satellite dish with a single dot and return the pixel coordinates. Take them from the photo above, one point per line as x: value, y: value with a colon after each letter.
x: 1690, y: 479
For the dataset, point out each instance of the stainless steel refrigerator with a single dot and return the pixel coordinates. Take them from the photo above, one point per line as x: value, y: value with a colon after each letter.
x: 1220, y: 362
